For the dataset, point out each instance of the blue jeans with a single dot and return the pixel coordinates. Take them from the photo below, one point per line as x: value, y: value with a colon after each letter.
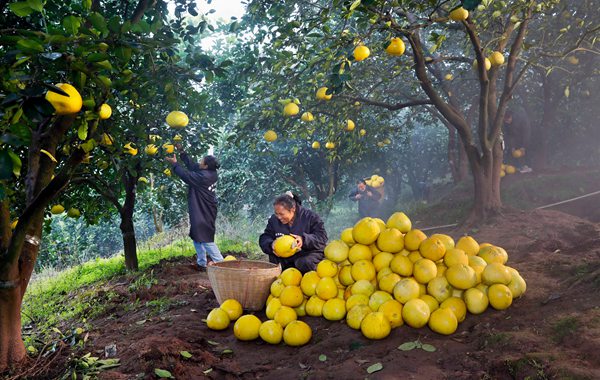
x: 207, y: 249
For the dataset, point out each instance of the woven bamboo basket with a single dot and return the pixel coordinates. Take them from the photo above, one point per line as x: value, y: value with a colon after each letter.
x: 247, y: 281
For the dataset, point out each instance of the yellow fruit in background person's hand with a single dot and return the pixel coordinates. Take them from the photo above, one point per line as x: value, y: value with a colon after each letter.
x: 57, y: 209
x: 247, y: 327
x: 334, y: 309
x: 476, y: 301
x: 292, y: 296
x: 307, y: 116
x: 468, y: 245
x: 415, y: 313
x: 406, y: 289
x: 309, y: 282
x: 366, y: 231
x: 291, y: 277
x: 413, y: 239
x: 496, y: 58
x: 350, y: 125
x: 105, y: 111
x: 496, y: 273
x: 378, y: 298
x: 297, y: 333
x: 271, y: 332
x: 284, y: 315
x: 336, y: 251
x: 233, y: 308
x: 272, y: 307
x: 356, y: 314
x: 443, y: 321
x: 217, y: 319
x: 432, y: 248
x: 326, y: 288
x: 440, y: 289
x: 461, y: 276
x: 400, y: 221
x: 277, y: 287
x: 455, y: 256
x: 229, y: 258
x: 375, y: 326
x: 363, y: 270
x: 177, y: 119
x: 459, y: 14
x: 169, y: 148
x: 359, y: 252
x: 396, y: 47
x: 151, y: 149
x: 314, y: 306
x: 390, y: 240
x: 361, y: 52
x: 65, y: 105
x: 270, y: 136
x: 458, y: 307
x: 326, y: 268
x: 285, y: 246
x: 291, y: 109
x: 424, y: 270
x: 322, y: 94
x: 500, y: 296
x: 346, y: 236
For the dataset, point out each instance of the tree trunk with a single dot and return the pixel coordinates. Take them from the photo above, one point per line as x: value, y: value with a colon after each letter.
x: 12, y: 348
x: 129, y: 243
x: 157, y: 218
x: 487, y: 202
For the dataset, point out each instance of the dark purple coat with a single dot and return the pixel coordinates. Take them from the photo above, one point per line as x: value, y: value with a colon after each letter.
x: 202, y: 200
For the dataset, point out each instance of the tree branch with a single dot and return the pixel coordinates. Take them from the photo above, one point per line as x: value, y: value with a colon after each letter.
x: 391, y: 107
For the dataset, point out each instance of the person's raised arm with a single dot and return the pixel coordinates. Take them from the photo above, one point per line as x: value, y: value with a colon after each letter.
x: 187, y: 161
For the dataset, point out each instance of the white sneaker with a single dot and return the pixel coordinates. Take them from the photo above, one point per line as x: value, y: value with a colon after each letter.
x: 525, y: 169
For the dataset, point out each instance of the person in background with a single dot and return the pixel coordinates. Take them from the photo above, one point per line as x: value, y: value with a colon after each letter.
x: 201, y: 179
x: 290, y: 218
x: 367, y: 198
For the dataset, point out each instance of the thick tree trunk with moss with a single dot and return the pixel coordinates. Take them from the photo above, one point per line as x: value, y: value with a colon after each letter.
x: 127, y: 227
x: 12, y: 349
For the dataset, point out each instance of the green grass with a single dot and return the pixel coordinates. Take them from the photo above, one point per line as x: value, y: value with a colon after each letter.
x: 564, y: 328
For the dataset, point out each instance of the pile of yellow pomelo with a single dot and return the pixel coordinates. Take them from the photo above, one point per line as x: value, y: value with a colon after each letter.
x: 379, y: 276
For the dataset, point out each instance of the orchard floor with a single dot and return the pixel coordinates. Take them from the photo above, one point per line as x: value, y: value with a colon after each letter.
x: 553, y: 331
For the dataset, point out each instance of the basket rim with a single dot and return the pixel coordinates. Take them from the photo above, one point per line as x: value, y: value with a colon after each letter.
x: 270, y: 267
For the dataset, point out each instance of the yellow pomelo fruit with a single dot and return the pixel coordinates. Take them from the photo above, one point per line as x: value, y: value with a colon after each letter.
x: 399, y: 221
x: 455, y: 256
x: 432, y: 248
x: 458, y: 293
x: 297, y: 333
x: 383, y: 272
x: 314, y: 306
x: 390, y: 240
x: 510, y: 169
x: 269, y: 298
x: 496, y: 273
x: 476, y: 261
x: 381, y: 225
x: 177, y: 119
x: 350, y: 125
x: 291, y: 277
x: 496, y: 58
x: 476, y: 301
x: 415, y: 313
x: 285, y: 246
x: 388, y: 282
x: 233, y: 308
x: 440, y: 289
x: 458, y: 307
x: 291, y: 109
x: 217, y: 319
x: 365, y: 231
x: 271, y: 332
x: 272, y: 307
x: 500, y: 296
x: 443, y: 321
x: 356, y: 299
x: 482, y: 287
x: 345, y: 275
x: 57, y: 209
x: 14, y: 223
x: 307, y: 116
x: 326, y: 288
x: 406, y: 290
x: 346, y: 237
x: 441, y: 269
x: 316, y: 145
x: 285, y: 315
x: 382, y: 260
x: 322, y: 94
x: 402, y: 265
x: 363, y: 270
x: 459, y: 14
x: 337, y: 282
x: 246, y: 327
x: 461, y: 276
x: 270, y: 136
x: 378, y: 298
x: 493, y: 254
x: 301, y: 310
x: 292, y: 296
x: 341, y: 293
x: 277, y: 287
x: 414, y: 256
x: 334, y: 309
x: 151, y: 149
x: 327, y: 268
x: 65, y: 105
x: 359, y: 252
x: 309, y: 282
x: 422, y: 289
x: 375, y: 326
x: 517, y: 284
x: 356, y: 315
x: 105, y: 111
x: 374, y: 250
x: 107, y: 139
x: 446, y: 240
x: 363, y: 287
x: 361, y: 52
x: 424, y: 270
x: 396, y: 47
x: 468, y: 245
x: 73, y: 213
x: 430, y: 301
x: 392, y: 310
x: 413, y: 239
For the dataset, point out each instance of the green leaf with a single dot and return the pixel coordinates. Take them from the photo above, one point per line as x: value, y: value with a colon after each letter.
x: 212, y: 342
x: 407, y: 346
x: 20, y: 8
x: 96, y: 57
x: 71, y: 24
x: 470, y: 4
x: 375, y: 367
x: 428, y: 348
x: 227, y: 351
x: 98, y: 21
x: 163, y: 373
x: 185, y: 354
x: 30, y: 46
x: 36, y: 5
x: 6, y: 166
x: 82, y: 131
x: 355, y: 5
x: 16, y: 163
x: 87, y: 4
x: 17, y: 116
x: 323, y: 357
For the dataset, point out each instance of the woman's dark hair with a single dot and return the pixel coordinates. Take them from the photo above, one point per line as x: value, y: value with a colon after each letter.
x: 361, y: 181
x: 288, y: 201
x: 211, y: 162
